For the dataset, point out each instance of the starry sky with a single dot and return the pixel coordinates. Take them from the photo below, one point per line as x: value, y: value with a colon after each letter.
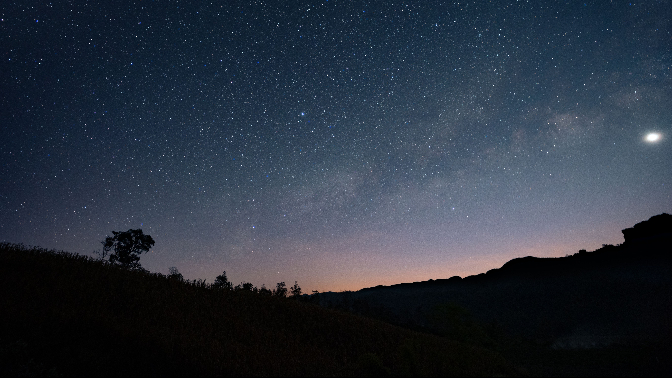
x: 340, y: 144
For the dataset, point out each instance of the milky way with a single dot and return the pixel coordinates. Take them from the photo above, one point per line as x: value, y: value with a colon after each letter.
x: 338, y: 144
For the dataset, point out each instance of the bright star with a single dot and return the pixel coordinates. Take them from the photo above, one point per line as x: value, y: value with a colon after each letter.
x: 652, y: 137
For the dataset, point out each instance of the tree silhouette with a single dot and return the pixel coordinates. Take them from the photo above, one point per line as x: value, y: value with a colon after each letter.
x: 264, y: 291
x: 280, y: 290
x: 222, y: 282
x: 295, y: 290
x: 246, y: 286
x: 124, y: 248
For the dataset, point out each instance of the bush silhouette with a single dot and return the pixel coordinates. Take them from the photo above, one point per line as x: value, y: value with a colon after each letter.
x: 175, y: 274
x: 124, y: 248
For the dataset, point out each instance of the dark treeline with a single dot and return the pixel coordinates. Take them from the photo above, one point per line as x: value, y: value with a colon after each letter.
x: 124, y: 249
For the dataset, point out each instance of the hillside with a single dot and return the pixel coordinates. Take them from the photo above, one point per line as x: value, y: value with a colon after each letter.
x: 617, y: 298
x: 66, y: 314
x: 604, y: 312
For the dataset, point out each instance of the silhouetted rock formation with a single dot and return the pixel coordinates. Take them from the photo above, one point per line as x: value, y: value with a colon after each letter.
x: 616, y: 294
x: 657, y: 227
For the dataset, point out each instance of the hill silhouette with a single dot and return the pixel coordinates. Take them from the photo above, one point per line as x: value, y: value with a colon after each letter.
x: 604, y: 312
x: 614, y: 297
x: 66, y: 314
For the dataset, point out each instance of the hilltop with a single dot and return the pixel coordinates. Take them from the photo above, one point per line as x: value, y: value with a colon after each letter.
x: 616, y: 297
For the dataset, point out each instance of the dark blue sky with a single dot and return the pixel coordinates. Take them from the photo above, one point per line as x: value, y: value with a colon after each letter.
x: 340, y: 144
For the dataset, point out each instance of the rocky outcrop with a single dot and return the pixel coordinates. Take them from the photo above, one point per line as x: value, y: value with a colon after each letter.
x: 658, y: 226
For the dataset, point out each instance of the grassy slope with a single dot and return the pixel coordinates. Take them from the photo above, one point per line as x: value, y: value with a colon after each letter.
x: 68, y: 314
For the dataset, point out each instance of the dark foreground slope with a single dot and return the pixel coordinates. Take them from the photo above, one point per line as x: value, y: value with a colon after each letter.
x: 66, y: 314
x: 616, y: 299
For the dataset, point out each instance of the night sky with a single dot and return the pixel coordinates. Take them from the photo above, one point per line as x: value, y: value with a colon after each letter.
x: 340, y: 144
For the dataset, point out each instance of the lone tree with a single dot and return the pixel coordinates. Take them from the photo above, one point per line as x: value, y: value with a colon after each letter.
x: 124, y: 248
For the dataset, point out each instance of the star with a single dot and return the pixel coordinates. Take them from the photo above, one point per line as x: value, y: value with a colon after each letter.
x: 652, y: 137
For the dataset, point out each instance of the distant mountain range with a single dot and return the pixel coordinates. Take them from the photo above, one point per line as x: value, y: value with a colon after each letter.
x: 613, y: 295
